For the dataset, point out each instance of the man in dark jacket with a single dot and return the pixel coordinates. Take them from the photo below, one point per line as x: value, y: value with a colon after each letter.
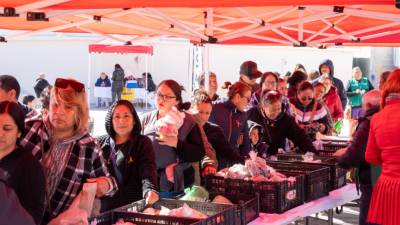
x: 326, y: 66
x: 10, y: 90
x: 41, y: 84
x: 118, y: 82
x: 354, y: 155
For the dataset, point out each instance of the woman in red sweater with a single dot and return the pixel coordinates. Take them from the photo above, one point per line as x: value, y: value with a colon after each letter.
x: 332, y: 99
x: 384, y: 149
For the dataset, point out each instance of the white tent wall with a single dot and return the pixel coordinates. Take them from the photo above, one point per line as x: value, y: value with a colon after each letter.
x: 26, y: 59
x: 225, y: 60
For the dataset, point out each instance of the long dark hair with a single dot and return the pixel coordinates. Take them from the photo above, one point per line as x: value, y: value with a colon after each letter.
x: 137, y: 128
x: 16, y: 113
x: 177, y: 89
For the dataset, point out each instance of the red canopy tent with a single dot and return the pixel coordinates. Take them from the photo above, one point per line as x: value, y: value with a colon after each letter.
x: 268, y: 22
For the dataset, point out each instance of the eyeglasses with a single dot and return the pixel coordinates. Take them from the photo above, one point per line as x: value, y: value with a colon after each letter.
x: 307, y: 98
x: 64, y: 83
x: 165, y: 97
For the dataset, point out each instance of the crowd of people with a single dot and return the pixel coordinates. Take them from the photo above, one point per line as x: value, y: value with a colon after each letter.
x: 46, y: 157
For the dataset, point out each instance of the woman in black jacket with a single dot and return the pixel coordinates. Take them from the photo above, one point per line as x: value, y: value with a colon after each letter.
x: 182, y: 148
x: 130, y: 157
x: 24, y: 172
x: 277, y: 125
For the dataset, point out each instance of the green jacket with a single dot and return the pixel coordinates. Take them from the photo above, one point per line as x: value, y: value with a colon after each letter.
x: 354, y: 85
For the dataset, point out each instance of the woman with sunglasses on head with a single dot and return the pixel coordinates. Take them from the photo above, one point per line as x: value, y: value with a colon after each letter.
x: 231, y: 117
x: 68, y: 154
x: 308, y: 112
x: 130, y: 157
x: 182, y: 148
x: 22, y: 169
x: 277, y: 125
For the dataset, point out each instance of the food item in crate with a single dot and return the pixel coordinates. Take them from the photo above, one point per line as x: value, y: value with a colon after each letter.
x: 255, y: 169
x: 186, y: 211
x: 170, y: 123
x: 221, y: 200
x: 121, y: 222
x: 309, y: 157
x: 237, y: 171
x: 195, y: 193
x: 258, y: 166
x: 164, y: 211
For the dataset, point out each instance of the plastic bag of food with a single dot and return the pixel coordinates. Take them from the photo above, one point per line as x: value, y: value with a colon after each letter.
x: 85, y: 199
x: 170, y: 123
x: 186, y: 211
x: 257, y: 166
x: 237, y: 171
x: 221, y: 200
x: 195, y: 193
x: 309, y: 157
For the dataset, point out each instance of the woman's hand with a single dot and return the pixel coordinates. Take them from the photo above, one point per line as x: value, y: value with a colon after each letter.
x: 321, y: 128
x: 103, y: 185
x: 209, y: 170
x: 151, y: 198
x: 171, y: 141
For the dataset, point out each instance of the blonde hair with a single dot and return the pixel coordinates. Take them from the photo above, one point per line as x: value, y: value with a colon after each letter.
x: 71, y: 97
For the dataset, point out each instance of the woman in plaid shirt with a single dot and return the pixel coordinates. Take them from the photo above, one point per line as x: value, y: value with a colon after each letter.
x: 68, y: 154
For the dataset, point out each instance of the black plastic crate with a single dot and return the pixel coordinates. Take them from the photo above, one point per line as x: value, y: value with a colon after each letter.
x: 111, y: 217
x: 247, y: 206
x: 218, y: 214
x: 334, y: 145
x: 317, y: 177
x: 275, y: 197
x: 337, y: 174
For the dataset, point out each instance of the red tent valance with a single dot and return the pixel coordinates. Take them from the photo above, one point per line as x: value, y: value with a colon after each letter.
x: 121, y: 49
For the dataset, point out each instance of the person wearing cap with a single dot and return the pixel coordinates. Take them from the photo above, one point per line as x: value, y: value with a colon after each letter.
x: 10, y: 90
x: 249, y: 74
x: 41, y: 83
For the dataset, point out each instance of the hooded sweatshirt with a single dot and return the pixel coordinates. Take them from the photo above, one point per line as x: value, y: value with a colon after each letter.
x: 131, y: 163
x: 336, y: 82
x: 275, y: 132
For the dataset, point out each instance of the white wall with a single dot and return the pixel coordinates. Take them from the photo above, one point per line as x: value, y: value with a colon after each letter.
x: 25, y: 59
x: 225, y: 60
